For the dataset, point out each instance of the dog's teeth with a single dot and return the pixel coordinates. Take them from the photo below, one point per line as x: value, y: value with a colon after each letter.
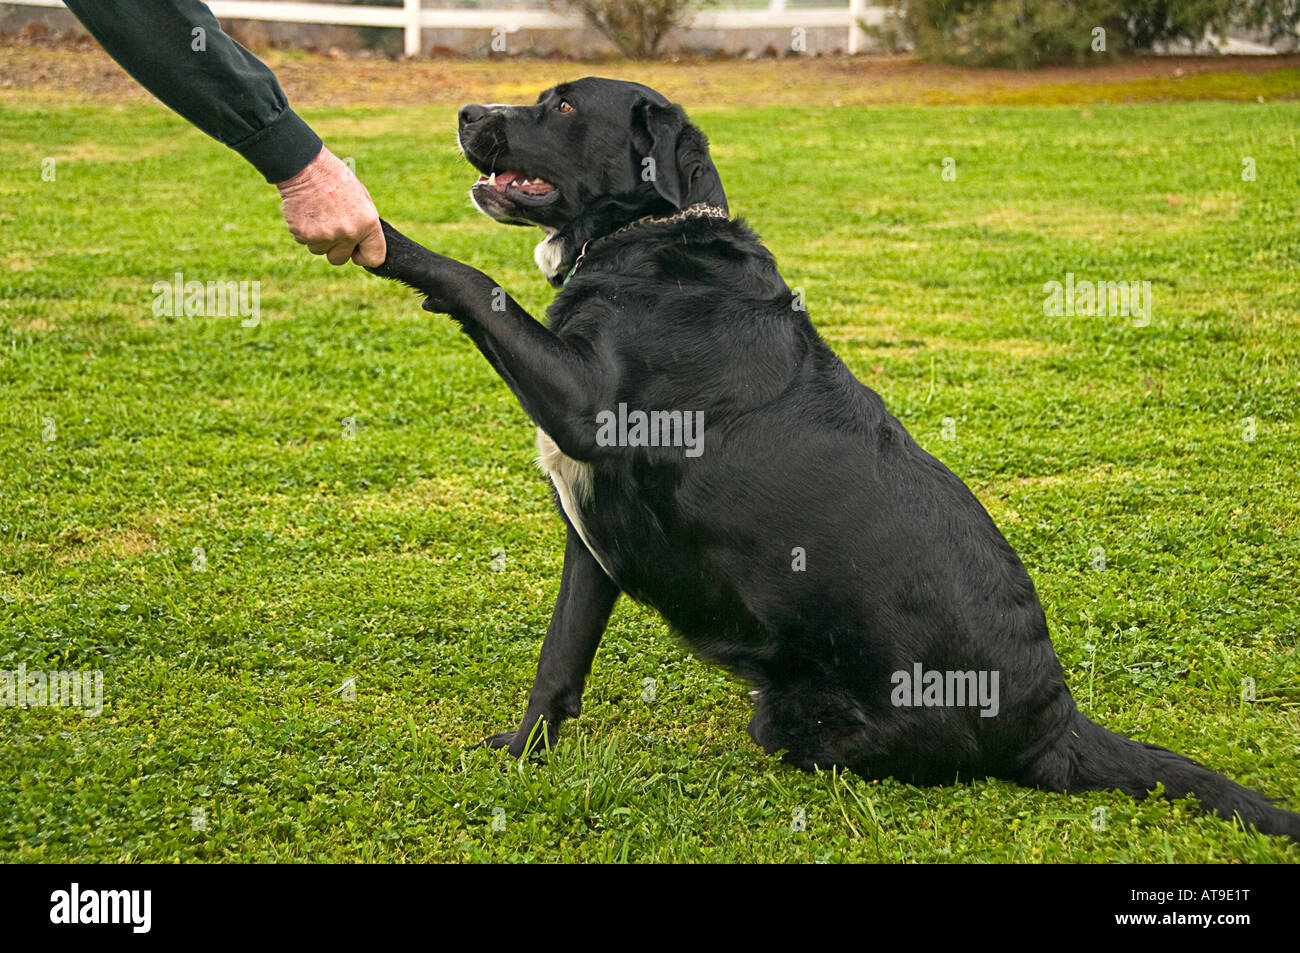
x: 492, y: 179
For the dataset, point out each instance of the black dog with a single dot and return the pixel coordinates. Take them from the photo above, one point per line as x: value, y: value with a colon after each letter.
x: 799, y: 537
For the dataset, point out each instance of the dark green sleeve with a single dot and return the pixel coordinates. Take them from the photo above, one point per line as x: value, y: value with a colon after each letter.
x: 206, y: 77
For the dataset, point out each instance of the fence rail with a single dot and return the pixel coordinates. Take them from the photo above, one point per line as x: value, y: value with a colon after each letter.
x: 411, y: 17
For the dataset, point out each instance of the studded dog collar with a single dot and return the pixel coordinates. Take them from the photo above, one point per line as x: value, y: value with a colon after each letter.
x: 695, y: 211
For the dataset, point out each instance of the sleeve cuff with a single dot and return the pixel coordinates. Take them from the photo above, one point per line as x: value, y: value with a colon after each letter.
x: 282, y: 149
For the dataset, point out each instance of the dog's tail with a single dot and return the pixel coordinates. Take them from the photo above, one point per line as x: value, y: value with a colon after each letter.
x: 1102, y: 760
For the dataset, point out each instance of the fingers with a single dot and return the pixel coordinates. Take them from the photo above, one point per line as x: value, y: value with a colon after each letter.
x: 371, y: 251
x: 339, y: 254
x: 327, y: 209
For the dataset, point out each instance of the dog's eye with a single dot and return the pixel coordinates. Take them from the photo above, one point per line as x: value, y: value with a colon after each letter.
x: 565, y: 106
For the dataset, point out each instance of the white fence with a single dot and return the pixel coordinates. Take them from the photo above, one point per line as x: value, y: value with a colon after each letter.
x: 411, y: 17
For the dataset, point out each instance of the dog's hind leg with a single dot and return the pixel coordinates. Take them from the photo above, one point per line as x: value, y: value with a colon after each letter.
x: 815, y: 728
x: 582, y: 609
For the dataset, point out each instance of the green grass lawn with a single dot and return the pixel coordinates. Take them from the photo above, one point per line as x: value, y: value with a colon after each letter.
x: 378, y: 558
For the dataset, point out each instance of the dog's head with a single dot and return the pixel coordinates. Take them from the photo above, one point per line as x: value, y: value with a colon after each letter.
x: 587, y: 157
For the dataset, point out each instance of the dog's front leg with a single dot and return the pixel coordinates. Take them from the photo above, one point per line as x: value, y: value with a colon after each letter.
x: 582, y: 609
x: 558, y: 387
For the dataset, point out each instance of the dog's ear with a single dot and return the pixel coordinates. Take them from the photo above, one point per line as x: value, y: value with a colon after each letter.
x: 675, y: 156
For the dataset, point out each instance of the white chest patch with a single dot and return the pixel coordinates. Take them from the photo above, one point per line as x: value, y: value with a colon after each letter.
x: 547, y: 254
x: 573, y: 483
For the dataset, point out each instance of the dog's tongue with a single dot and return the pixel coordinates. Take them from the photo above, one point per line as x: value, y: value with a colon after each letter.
x: 501, y: 181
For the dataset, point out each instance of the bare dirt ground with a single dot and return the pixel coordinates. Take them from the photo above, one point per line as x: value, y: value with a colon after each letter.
x: 42, y: 71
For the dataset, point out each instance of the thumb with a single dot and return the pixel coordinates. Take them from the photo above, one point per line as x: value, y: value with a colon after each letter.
x: 373, y: 249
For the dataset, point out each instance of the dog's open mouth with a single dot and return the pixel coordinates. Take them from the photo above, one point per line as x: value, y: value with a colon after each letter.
x: 513, y: 197
x: 514, y: 185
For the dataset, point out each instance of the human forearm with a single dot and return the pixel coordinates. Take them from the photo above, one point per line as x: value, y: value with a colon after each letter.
x: 177, y: 51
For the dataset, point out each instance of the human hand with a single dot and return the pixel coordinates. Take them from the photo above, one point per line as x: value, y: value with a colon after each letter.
x: 328, y: 209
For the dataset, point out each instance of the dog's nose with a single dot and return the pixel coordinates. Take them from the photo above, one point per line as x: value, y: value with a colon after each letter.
x: 472, y: 114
